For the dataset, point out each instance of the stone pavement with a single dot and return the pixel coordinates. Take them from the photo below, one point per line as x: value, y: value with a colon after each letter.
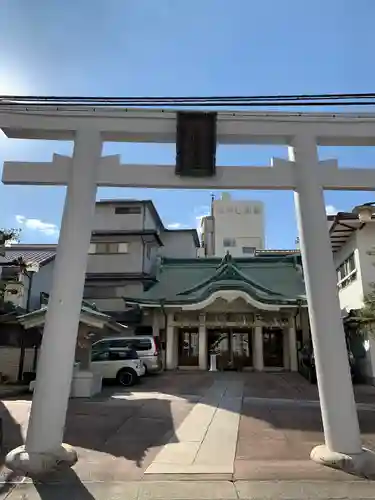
x: 212, y: 428
x: 194, y: 490
x: 206, y: 441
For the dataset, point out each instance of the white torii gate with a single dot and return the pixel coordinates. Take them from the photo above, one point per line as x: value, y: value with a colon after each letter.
x: 303, y: 173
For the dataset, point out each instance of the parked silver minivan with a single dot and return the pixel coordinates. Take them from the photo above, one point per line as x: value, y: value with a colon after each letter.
x: 147, y: 347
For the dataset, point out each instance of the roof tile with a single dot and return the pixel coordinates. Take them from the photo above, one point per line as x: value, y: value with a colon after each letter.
x: 38, y: 254
x: 271, y: 279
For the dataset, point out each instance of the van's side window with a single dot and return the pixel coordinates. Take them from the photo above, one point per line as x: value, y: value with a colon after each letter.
x: 102, y: 346
x: 100, y: 356
x: 118, y: 355
x: 118, y: 343
x: 142, y: 344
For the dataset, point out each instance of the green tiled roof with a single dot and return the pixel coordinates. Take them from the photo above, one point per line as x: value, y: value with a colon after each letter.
x: 270, y: 280
x: 86, y: 309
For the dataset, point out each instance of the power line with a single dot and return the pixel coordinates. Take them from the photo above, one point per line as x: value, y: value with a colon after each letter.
x: 193, y: 98
x: 205, y: 104
x: 294, y: 100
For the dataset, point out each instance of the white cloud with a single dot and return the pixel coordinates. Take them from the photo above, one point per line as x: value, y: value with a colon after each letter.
x: 198, y: 220
x: 331, y: 210
x: 9, y: 243
x: 177, y: 225
x: 198, y: 213
x: 38, y: 225
x: 201, y: 209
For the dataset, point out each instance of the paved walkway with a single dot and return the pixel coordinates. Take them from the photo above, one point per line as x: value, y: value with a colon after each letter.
x: 194, y: 426
x: 194, y: 490
x: 206, y: 441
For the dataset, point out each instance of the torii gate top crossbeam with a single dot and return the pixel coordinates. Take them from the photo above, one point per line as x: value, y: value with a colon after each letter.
x: 141, y: 125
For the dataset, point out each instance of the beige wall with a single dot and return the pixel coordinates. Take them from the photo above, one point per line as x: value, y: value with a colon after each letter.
x: 9, y: 361
x: 115, y: 303
x: 233, y: 221
x: 149, y: 221
x: 107, y: 220
x: 130, y: 262
x: 42, y: 282
x: 178, y: 244
x: 366, y: 244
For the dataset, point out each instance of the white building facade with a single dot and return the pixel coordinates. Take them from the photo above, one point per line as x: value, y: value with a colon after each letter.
x: 236, y: 226
x: 353, y: 245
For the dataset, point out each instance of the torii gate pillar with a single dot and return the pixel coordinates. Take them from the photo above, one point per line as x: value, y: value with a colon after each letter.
x: 342, y: 448
x: 44, y: 450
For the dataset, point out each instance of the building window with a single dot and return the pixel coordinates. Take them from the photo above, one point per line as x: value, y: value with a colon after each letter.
x: 128, y: 210
x: 99, y: 292
x: 106, y: 247
x: 346, y: 272
x: 123, y: 248
x: 256, y: 209
x: 229, y: 242
x: 10, y: 273
x: 148, y: 251
x: 248, y: 250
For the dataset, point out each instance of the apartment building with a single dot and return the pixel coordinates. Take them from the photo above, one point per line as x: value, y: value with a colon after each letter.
x: 236, y: 226
x: 353, y: 246
x: 128, y: 239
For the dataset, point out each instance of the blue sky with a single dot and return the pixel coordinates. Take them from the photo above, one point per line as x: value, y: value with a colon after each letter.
x: 180, y: 47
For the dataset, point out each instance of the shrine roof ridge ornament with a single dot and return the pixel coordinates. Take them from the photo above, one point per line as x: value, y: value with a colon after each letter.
x: 227, y: 259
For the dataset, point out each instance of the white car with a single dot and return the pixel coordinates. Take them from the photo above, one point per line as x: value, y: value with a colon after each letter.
x: 122, y: 365
x: 147, y: 347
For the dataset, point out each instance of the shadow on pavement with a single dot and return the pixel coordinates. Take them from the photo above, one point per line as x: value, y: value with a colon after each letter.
x: 11, y: 438
x: 106, y: 428
x: 120, y: 428
x: 115, y: 428
x: 12, y: 433
x: 69, y: 486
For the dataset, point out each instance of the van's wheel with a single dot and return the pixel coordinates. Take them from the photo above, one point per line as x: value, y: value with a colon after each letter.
x: 127, y: 377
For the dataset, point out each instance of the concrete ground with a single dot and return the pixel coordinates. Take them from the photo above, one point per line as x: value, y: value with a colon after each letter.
x: 224, y: 428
